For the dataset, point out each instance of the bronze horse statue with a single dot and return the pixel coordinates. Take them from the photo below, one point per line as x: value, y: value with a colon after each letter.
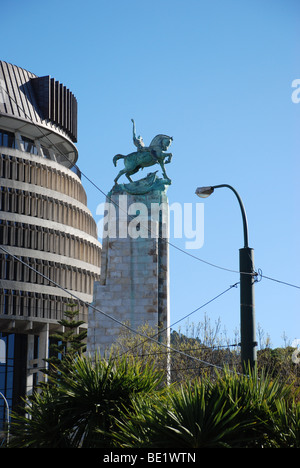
x: 145, y: 156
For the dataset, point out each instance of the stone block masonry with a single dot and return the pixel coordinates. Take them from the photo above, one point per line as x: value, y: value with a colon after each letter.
x: 134, y: 280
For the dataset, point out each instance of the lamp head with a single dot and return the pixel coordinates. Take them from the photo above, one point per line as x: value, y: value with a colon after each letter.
x: 204, y: 192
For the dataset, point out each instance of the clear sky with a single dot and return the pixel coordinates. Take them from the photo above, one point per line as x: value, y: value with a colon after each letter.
x: 216, y: 75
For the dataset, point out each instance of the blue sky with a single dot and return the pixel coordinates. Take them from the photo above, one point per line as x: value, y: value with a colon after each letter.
x: 216, y: 75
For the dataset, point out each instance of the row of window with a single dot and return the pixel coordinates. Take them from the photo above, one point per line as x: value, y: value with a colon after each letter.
x: 16, y: 141
x: 44, y: 207
x: 24, y: 170
x: 9, y: 140
x: 48, y: 240
x: 36, y: 305
x: 68, y: 277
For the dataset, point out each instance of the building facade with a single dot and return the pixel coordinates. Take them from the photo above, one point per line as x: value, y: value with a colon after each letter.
x: 46, y: 230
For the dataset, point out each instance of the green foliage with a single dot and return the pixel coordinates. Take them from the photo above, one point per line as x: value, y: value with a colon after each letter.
x: 256, y: 395
x: 191, y: 417
x: 118, y: 403
x: 41, y: 424
x: 126, y: 400
x: 80, y: 408
x: 278, y: 362
x: 233, y: 411
x: 68, y: 343
x: 285, y: 425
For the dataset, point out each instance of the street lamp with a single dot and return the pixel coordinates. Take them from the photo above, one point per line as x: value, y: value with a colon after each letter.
x: 247, y: 306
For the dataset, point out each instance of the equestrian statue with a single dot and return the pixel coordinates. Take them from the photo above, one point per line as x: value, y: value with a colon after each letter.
x: 145, y: 156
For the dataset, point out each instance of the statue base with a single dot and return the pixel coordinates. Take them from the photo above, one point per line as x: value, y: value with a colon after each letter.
x: 140, y: 187
x: 134, y: 280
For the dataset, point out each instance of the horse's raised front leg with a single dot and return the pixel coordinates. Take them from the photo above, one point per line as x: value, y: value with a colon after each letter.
x: 169, y: 158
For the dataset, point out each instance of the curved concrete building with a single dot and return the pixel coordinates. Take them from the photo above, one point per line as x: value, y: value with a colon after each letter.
x: 44, y: 221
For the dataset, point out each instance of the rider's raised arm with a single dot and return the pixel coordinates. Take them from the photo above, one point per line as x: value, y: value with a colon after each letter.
x: 133, y: 129
x: 138, y: 141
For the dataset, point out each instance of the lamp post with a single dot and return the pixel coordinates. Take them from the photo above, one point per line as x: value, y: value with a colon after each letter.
x: 247, y: 306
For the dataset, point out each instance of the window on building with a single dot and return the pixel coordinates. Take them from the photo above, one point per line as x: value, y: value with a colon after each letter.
x: 29, y: 145
x: 12, y: 373
x: 7, y: 139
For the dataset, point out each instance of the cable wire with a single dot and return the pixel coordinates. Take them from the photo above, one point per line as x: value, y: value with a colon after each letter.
x: 116, y: 204
x: 188, y: 315
x: 151, y: 338
x: 165, y: 240
x: 108, y: 315
x: 279, y: 281
x: 254, y: 274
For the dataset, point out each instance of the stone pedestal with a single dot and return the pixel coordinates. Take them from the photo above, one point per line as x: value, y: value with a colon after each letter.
x: 134, y: 281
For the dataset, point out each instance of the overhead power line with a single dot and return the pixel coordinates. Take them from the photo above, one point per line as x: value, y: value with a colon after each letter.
x: 282, y: 282
x: 254, y: 274
x: 110, y: 199
x: 96, y: 309
x: 186, y: 316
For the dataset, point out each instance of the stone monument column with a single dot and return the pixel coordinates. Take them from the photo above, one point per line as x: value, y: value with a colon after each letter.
x: 134, y: 280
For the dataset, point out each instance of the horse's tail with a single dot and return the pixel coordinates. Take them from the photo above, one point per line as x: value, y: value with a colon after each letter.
x: 116, y: 157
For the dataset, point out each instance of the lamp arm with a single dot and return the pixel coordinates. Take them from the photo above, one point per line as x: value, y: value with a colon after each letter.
x: 244, y: 216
